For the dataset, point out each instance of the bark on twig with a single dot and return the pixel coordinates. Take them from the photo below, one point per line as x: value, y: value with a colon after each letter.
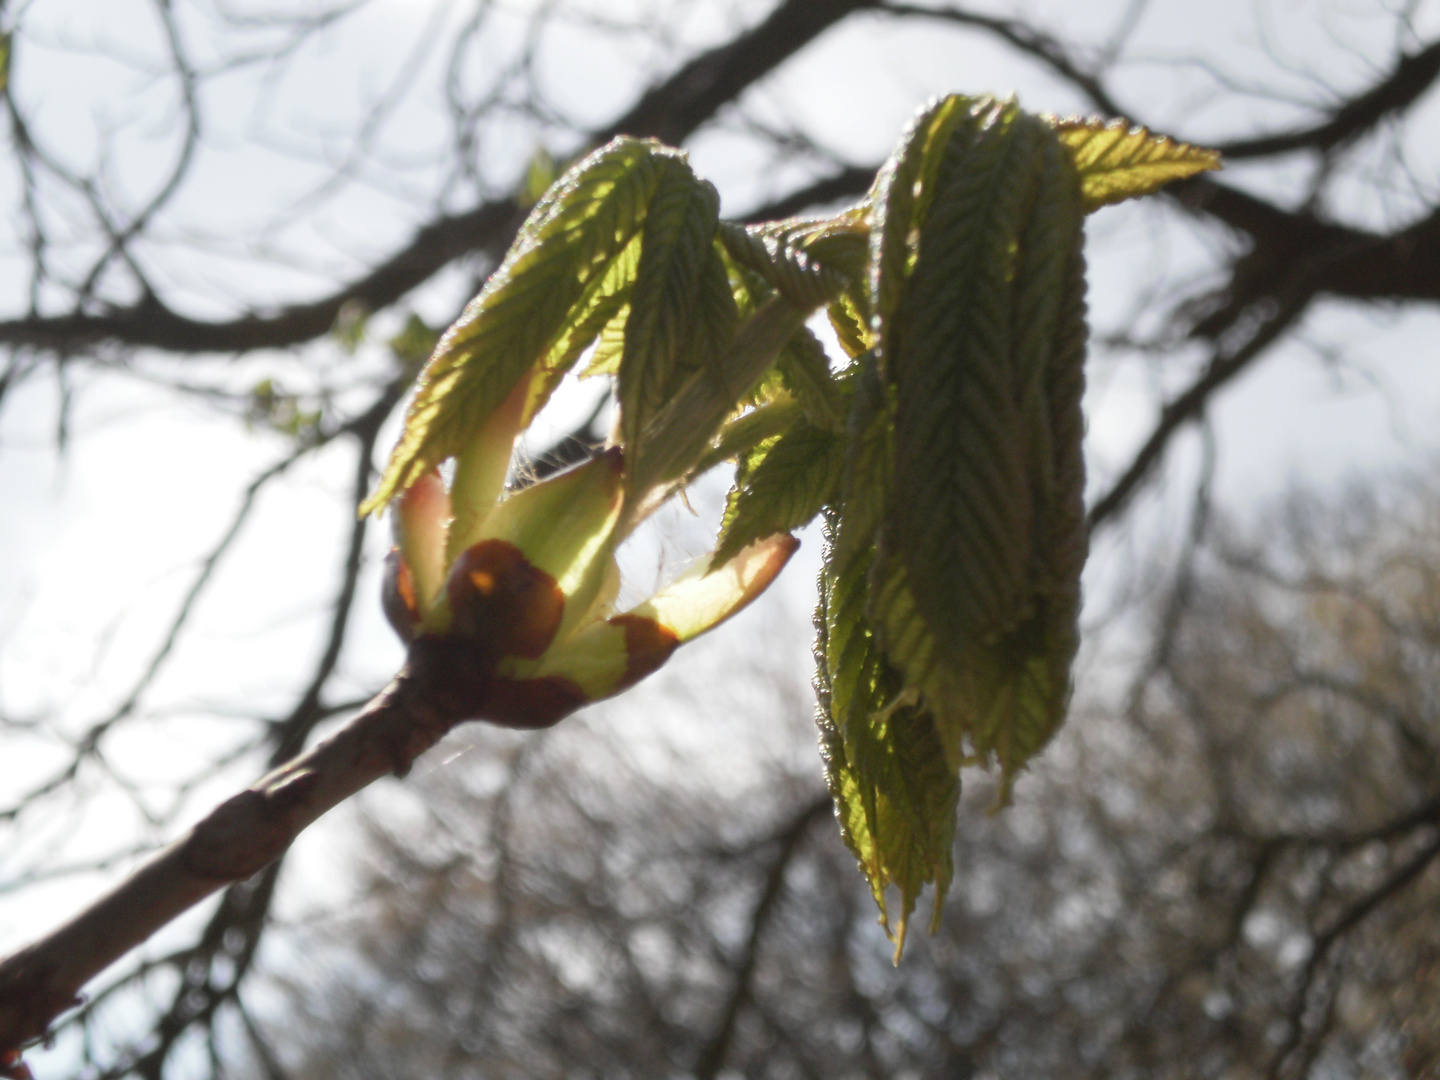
x: 239, y: 838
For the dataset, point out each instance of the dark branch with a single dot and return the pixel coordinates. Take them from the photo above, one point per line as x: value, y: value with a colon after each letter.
x: 1190, y: 406
x: 849, y: 183
x: 1347, y: 921
x: 670, y: 111
x: 238, y: 839
x: 713, y: 1055
x: 1027, y: 40
x: 1412, y: 77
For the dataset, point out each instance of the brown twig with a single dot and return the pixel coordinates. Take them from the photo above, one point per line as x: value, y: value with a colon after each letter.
x: 238, y: 839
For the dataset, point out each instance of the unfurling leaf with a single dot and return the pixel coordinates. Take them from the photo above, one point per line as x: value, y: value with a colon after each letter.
x: 951, y: 591
x: 781, y: 485
x: 899, y: 200
x: 808, y: 261
x: 1116, y: 161
x: 851, y: 324
x: 982, y: 541
x: 570, y: 259
x: 804, y: 370
x: 944, y: 453
x: 506, y: 599
x: 683, y: 312
x: 894, y: 791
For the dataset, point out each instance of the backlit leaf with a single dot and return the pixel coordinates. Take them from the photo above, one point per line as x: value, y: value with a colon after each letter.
x: 601, y: 312
x: 781, y: 486
x: 743, y: 435
x: 1117, y: 161
x: 809, y: 261
x: 677, y: 240
x: 609, y: 346
x: 682, y: 311
x: 895, y: 793
x: 683, y: 430
x: 560, y: 259
x: 975, y: 585
x: 865, y: 479
x: 804, y: 370
x: 962, y: 503
x: 899, y: 200
x: 850, y: 323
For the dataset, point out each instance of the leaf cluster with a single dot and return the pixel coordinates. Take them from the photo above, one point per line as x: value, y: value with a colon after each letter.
x: 943, y: 450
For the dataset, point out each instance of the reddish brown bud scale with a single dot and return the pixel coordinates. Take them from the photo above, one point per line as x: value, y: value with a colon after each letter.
x: 12, y: 1067
x: 647, y: 646
x: 532, y: 703
x: 461, y: 682
x: 502, y: 602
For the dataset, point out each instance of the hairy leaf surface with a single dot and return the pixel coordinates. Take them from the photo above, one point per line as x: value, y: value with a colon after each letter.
x: 865, y: 479
x: 851, y: 322
x: 962, y: 504
x: 682, y: 312
x: 804, y: 370
x: 809, y: 261
x: 899, y: 201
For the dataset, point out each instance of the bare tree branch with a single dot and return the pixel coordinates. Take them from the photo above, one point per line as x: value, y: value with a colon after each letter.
x: 237, y: 839
x: 1412, y: 76
x: 712, y: 1057
x: 670, y: 111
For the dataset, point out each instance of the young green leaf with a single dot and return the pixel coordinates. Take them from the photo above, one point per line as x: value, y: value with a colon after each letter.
x: 865, y: 479
x: 808, y: 261
x: 682, y: 311
x: 781, y: 486
x: 895, y: 793
x: 804, y: 370
x: 950, y: 593
x: 601, y: 311
x: 683, y: 430
x: 742, y: 435
x: 677, y: 239
x: 560, y: 260
x: 975, y: 587
x: 851, y: 323
x: 1117, y: 161
x: 963, y: 498
x: 899, y: 201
